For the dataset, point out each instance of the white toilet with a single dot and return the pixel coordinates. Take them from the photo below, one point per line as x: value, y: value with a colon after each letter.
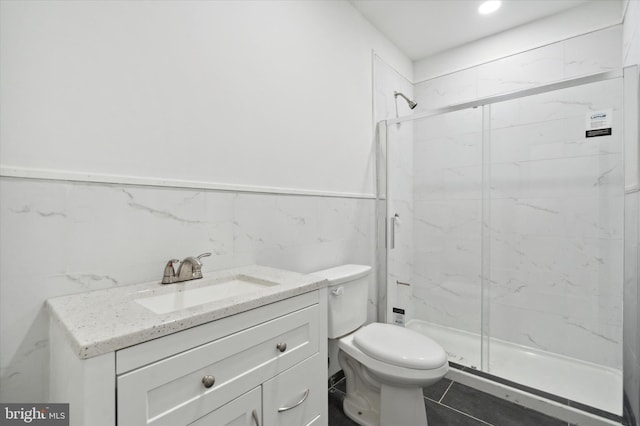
x: 385, y: 366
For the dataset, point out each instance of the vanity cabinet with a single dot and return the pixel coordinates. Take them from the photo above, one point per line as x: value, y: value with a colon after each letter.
x: 263, y: 367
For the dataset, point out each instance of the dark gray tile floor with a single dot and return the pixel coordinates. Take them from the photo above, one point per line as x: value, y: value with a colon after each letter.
x: 453, y: 404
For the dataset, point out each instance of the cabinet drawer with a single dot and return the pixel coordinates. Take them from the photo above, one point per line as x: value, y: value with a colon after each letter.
x: 296, y: 396
x: 242, y: 411
x: 171, y: 391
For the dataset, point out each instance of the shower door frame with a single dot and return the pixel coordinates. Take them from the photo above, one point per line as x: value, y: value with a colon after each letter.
x: 384, y: 223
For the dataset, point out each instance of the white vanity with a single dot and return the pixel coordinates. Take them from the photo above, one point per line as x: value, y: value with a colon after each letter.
x: 246, y: 347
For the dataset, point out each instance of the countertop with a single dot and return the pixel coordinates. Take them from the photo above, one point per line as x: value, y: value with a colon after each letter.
x: 102, y: 321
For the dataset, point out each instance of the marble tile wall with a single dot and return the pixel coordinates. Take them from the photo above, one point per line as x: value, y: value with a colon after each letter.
x: 579, y: 56
x: 556, y: 224
x: 62, y: 238
x: 447, y: 212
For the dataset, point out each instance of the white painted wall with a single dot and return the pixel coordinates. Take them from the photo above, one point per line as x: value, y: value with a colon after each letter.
x: 274, y: 96
x: 271, y: 93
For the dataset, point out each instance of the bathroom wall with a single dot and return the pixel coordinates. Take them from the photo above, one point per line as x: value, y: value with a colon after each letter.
x: 631, y: 56
x: 136, y: 132
x: 213, y: 88
x: 586, y: 18
x: 528, y: 216
x: 386, y: 80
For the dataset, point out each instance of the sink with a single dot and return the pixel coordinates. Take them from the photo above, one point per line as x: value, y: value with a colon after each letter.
x: 218, y: 289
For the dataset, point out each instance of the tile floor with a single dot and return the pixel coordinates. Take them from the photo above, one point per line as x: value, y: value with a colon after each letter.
x: 453, y: 404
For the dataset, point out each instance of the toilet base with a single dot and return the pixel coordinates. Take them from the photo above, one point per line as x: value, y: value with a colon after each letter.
x: 399, y: 406
x: 402, y: 406
x: 369, y: 402
x: 360, y: 415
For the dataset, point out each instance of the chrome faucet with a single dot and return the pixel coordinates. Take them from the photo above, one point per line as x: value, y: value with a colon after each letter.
x: 190, y: 269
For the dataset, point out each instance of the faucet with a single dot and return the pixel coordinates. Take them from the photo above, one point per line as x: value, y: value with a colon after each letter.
x: 190, y: 269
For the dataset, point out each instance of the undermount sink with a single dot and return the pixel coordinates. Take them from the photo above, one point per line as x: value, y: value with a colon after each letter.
x: 216, y: 290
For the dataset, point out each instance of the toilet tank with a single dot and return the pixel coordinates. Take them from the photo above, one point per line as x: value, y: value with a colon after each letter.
x: 348, y: 297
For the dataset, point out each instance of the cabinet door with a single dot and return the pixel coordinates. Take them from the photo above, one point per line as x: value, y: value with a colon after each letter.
x: 296, y: 396
x: 242, y: 411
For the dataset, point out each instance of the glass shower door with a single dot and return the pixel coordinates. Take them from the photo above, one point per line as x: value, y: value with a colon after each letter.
x: 434, y: 209
x: 555, y: 235
x: 505, y: 237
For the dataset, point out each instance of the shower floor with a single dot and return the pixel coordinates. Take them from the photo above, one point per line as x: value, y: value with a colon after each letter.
x: 590, y: 384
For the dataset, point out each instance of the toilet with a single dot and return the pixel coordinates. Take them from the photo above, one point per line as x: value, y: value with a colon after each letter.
x: 385, y: 366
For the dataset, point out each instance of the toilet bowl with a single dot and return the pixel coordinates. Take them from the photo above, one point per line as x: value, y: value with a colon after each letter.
x: 385, y: 366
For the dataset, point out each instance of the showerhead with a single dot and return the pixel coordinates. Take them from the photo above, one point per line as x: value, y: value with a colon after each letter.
x: 412, y: 104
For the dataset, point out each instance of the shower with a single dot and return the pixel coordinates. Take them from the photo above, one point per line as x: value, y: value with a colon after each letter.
x: 412, y: 104
x: 510, y: 250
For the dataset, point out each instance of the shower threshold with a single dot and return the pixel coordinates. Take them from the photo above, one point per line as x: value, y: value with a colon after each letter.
x: 562, y: 380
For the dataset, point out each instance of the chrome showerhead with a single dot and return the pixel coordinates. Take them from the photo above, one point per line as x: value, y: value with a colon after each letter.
x: 412, y: 104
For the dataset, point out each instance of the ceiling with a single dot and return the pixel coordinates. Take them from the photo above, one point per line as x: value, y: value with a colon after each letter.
x: 421, y: 28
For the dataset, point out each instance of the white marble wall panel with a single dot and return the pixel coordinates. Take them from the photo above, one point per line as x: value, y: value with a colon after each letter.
x: 447, y: 195
x: 450, y: 89
x: 579, y: 56
x: 557, y: 224
x: 62, y: 238
x: 593, y: 52
x: 523, y: 71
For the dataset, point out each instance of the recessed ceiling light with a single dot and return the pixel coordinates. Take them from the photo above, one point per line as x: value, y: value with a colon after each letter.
x: 489, y: 7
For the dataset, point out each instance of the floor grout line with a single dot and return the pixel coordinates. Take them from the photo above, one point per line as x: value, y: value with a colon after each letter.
x: 462, y: 412
x: 445, y: 392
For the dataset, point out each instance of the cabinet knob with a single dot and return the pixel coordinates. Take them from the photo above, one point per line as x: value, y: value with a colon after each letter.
x: 281, y: 347
x: 208, y: 381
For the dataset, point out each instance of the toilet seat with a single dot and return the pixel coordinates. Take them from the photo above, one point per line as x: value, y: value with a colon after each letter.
x: 399, y: 346
x: 390, y: 373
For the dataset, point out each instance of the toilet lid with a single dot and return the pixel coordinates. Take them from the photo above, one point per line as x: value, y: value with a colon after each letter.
x: 399, y: 346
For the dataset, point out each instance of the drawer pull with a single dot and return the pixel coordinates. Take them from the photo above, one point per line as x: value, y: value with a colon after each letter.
x: 281, y: 347
x: 208, y: 381
x: 254, y: 415
x: 304, y: 398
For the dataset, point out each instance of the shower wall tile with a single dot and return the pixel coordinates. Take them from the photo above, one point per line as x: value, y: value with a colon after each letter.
x: 73, y: 237
x: 575, y: 57
x: 556, y: 224
x: 523, y: 71
x: 447, y: 211
x: 451, y: 89
x: 593, y: 53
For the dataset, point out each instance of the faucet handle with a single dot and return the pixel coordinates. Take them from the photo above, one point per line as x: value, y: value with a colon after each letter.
x: 203, y: 255
x: 197, y: 267
x: 169, y: 274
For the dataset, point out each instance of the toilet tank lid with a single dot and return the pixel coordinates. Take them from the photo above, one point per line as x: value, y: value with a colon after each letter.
x: 343, y: 273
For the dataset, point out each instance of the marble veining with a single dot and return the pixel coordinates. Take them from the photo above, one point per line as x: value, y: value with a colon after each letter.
x: 106, y: 320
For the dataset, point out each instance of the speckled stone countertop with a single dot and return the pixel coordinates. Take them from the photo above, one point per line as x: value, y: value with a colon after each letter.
x: 102, y: 321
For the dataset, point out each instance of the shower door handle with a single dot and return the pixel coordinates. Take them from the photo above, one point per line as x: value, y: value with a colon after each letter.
x: 394, y: 220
